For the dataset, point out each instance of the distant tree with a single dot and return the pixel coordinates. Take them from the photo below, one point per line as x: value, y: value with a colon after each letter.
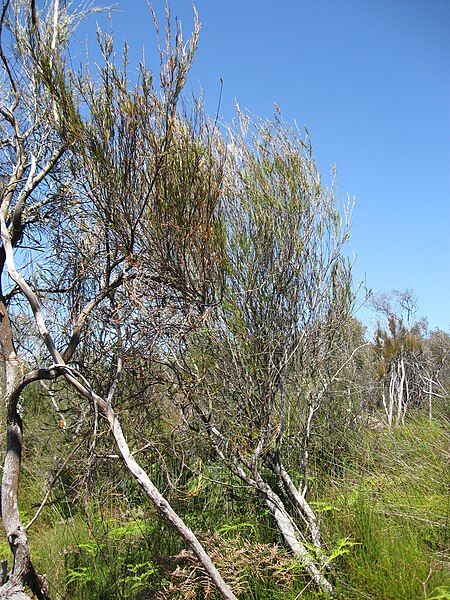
x: 436, y: 382
x: 404, y: 368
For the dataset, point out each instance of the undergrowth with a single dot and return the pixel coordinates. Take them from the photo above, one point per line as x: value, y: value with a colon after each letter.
x: 385, y: 520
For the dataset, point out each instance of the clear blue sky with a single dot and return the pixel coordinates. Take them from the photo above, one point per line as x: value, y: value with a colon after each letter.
x: 371, y: 80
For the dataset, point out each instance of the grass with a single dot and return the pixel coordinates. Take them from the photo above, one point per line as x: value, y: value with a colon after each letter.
x: 385, y: 519
x: 393, y: 502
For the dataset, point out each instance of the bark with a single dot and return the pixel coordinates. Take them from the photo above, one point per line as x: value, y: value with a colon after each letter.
x: 301, y: 504
x: 291, y: 535
x: 23, y: 571
x: 391, y: 398
x: 430, y: 399
x: 401, y: 387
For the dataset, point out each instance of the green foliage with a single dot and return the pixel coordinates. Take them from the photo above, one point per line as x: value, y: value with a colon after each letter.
x: 440, y: 593
x: 109, y: 559
x: 385, y: 519
x: 392, y: 502
x: 341, y: 548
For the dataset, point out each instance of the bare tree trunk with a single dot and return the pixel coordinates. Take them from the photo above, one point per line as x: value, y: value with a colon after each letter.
x: 23, y: 571
x: 291, y: 535
x: 430, y: 398
x: 400, y: 391
x: 285, y: 523
x: 391, y: 398
x: 162, y: 505
x: 383, y: 399
x: 306, y: 441
x: 301, y: 504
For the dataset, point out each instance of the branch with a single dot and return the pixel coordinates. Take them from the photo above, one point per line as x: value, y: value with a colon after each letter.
x: 49, y: 491
x: 31, y: 184
x: 27, y: 291
x: 40, y: 374
x: 87, y: 310
x: 2, y: 54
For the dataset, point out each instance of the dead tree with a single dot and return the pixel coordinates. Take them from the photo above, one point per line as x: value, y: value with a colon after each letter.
x: 404, y: 369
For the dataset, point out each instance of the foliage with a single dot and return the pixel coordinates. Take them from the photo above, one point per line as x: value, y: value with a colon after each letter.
x: 385, y: 516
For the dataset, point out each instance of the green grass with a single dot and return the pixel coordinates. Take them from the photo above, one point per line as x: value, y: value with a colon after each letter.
x: 393, y: 502
x: 385, y: 519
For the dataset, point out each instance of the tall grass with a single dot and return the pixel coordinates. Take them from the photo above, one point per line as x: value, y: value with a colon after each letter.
x: 385, y: 518
x: 393, y: 502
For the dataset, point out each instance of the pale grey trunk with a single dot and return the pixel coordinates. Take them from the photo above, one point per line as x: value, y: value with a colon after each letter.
x: 22, y: 572
x: 400, y: 392
x: 291, y: 535
x: 286, y: 525
x: 430, y: 399
x: 163, y: 506
x: 391, y: 398
x: 302, y: 506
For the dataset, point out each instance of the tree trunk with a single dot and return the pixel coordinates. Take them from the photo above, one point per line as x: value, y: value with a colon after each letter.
x: 291, y: 535
x: 301, y: 504
x: 286, y: 525
x: 430, y: 399
x: 163, y: 506
x: 22, y: 572
x: 401, y: 407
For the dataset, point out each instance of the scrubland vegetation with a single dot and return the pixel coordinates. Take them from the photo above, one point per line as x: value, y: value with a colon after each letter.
x: 191, y: 406
x: 383, y: 510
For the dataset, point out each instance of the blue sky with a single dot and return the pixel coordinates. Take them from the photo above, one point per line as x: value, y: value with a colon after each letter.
x: 371, y: 80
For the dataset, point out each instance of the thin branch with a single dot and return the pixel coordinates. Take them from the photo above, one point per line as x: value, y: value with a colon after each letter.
x: 2, y: 54
x: 50, y: 488
x: 87, y: 310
